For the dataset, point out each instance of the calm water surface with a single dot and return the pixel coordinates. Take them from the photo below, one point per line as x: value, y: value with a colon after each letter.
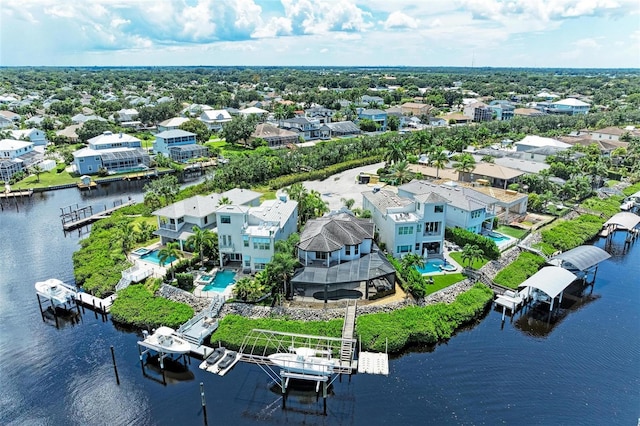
x: 583, y: 370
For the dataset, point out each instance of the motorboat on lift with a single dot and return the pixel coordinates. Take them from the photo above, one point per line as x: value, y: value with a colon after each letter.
x: 303, y: 361
x: 55, y: 290
x: 165, y: 340
x: 215, y: 356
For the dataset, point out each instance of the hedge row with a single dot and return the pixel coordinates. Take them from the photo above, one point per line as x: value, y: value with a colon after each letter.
x: 421, y: 325
x: 232, y: 330
x: 137, y: 306
x: 462, y: 237
x: 282, y: 181
x: 573, y: 233
x: 518, y: 271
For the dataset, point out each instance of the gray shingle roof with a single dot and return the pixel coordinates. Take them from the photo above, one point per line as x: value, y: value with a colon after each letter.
x: 330, y: 233
x: 457, y: 196
x: 367, y: 268
x: 386, y: 199
x: 174, y: 133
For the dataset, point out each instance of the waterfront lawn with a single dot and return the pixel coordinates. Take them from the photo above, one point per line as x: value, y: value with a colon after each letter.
x: 608, y: 207
x: 517, y: 272
x: 50, y: 178
x: 442, y: 281
x: 136, y: 305
x: 630, y: 190
x: 547, y: 249
x: 572, y: 233
x: 232, y: 330
x: 477, y: 263
x: 394, y: 331
x: 511, y: 231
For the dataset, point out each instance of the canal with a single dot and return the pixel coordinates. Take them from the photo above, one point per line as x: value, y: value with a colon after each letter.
x: 585, y: 369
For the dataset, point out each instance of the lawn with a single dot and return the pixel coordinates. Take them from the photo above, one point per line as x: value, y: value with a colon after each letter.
x: 50, y: 178
x: 443, y: 281
x: 511, y: 231
x: 477, y: 263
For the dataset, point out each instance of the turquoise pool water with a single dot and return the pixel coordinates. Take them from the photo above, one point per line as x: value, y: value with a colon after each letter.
x: 222, y: 280
x: 498, y: 238
x: 431, y: 266
x: 153, y: 258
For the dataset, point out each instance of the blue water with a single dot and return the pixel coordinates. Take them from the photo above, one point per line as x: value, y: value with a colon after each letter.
x: 496, y: 238
x: 583, y: 370
x: 430, y: 266
x: 153, y: 258
x: 222, y: 280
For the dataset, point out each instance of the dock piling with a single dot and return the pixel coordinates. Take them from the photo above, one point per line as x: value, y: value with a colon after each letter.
x: 204, y: 404
x: 115, y: 367
x: 40, y: 305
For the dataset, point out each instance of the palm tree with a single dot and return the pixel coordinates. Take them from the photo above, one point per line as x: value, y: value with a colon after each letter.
x: 394, y: 153
x: 200, y: 240
x: 466, y: 163
x: 348, y: 203
x: 243, y: 288
x: 411, y: 260
x: 37, y: 170
x: 170, y: 251
x: 224, y: 201
x: 470, y: 253
x: 145, y: 230
x: 126, y: 236
x: 439, y: 160
x: 401, y: 174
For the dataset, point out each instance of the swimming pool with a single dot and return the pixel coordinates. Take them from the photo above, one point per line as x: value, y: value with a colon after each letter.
x: 152, y: 257
x: 498, y: 238
x: 431, y: 266
x: 222, y: 280
x: 141, y: 251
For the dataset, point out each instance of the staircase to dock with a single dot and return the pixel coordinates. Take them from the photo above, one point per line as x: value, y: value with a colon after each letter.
x: 346, y: 349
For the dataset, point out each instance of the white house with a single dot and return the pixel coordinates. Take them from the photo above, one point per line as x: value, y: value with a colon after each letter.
x: 248, y: 234
x: 466, y: 207
x: 176, y: 221
x: 179, y: 145
x: 38, y: 137
x: 215, y: 118
x: 570, y: 106
x: 15, y: 156
x: 115, y: 152
x: 531, y: 142
x: 171, y: 123
x: 408, y: 225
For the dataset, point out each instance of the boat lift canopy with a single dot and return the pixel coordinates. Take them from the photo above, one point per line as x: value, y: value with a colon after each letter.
x: 582, y: 257
x: 623, y: 220
x: 552, y: 280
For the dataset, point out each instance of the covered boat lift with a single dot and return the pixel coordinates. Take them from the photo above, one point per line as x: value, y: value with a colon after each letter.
x: 625, y: 221
x: 581, y: 260
x: 550, y: 280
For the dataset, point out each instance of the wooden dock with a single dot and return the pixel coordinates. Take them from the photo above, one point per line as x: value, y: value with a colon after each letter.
x: 84, y: 216
x: 16, y: 194
x: 102, y: 305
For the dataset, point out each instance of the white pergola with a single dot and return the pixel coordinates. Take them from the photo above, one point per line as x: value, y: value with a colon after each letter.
x: 551, y: 280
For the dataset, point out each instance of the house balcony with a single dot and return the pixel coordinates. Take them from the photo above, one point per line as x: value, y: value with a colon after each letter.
x: 170, y: 226
x: 227, y: 248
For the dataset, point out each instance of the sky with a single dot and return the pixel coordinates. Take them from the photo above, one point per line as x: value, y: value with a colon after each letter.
x: 480, y: 33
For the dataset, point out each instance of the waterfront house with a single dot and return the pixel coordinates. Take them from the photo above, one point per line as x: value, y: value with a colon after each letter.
x: 248, y: 234
x: 15, y: 156
x: 408, y: 225
x: 532, y: 142
x: 570, y: 106
x: 340, y: 258
x: 308, y: 128
x: 114, y: 152
x: 176, y: 221
x: 179, y: 145
x: 322, y: 114
x: 478, y: 111
x: 466, y: 207
x: 416, y: 109
x: 8, y: 119
x: 339, y: 129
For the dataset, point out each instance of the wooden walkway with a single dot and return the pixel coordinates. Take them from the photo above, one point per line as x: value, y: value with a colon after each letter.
x: 103, y: 305
x: 346, y: 349
x: 69, y: 225
x: 16, y: 194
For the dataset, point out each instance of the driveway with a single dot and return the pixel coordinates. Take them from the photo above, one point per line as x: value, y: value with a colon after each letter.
x: 342, y: 185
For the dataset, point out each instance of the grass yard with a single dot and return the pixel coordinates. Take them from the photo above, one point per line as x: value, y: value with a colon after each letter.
x: 511, y: 231
x: 477, y: 263
x: 50, y: 178
x: 443, y: 281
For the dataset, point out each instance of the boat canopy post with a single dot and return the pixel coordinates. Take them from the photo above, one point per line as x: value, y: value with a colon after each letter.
x: 40, y: 304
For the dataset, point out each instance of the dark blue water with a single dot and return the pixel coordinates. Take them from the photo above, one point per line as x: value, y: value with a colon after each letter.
x: 584, y: 369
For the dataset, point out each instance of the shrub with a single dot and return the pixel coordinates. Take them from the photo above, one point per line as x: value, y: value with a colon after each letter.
x: 421, y: 325
x: 185, y: 281
x: 517, y: 272
x: 137, y: 306
x: 572, y: 233
x: 462, y: 237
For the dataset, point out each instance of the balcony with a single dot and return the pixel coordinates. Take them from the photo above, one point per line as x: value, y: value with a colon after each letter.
x: 227, y: 248
x: 169, y: 226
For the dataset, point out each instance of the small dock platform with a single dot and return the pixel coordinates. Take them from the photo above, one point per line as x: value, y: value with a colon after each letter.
x: 82, y: 216
x: 373, y: 363
x: 16, y: 194
x: 103, y: 305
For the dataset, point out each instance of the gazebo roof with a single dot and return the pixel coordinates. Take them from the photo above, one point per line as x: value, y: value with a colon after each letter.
x: 624, y: 220
x: 582, y: 257
x: 551, y: 279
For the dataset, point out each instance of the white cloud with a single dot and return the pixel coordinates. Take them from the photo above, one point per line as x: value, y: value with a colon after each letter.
x: 400, y: 20
x: 587, y: 43
x: 323, y: 16
x: 118, y: 22
x: 278, y: 26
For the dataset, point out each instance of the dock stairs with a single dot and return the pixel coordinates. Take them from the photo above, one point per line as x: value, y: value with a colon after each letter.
x: 346, y: 349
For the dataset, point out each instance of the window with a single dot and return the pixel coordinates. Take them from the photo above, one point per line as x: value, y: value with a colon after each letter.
x: 356, y: 249
x: 431, y: 227
x: 261, y: 244
x: 81, y: 160
x: 206, y: 220
x: 476, y: 214
x: 438, y: 209
x: 417, y: 246
x: 403, y: 249
x: 245, y: 241
x: 321, y: 255
x: 405, y: 230
x: 419, y: 227
x: 347, y: 250
x: 225, y: 219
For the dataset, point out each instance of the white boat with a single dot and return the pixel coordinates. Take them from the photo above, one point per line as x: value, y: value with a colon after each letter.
x: 303, y: 361
x: 55, y: 290
x: 164, y: 340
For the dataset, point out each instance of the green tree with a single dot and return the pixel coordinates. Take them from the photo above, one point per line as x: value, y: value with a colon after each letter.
x: 166, y: 187
x: 200, y: 240
x: 470, y: 253
x: 125, y: 236
x: 145, y: 231
x: 198, y: 127
x: 239, y: 129
x: 348, y: 203
x: 37, y: 170
x: 394, y: 152
x: 439, y: 160
x: 368, y: 125
x: 400, y: 173
x: 169, y: 251
x: 93, y: 128
x: 465, y: 164
x: 411, y: 260
x: 393, y: 122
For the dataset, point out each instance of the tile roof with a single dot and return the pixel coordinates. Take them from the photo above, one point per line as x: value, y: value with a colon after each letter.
x: 331, y: 233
